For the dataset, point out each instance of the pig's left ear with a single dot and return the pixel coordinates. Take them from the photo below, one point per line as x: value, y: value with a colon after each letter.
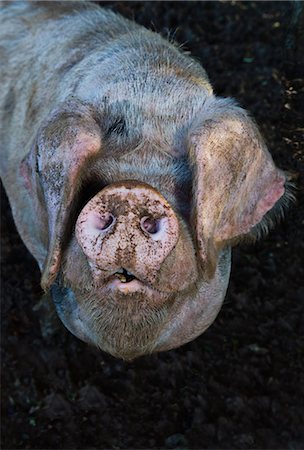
x: 235, y: 180
x: 66, y: 143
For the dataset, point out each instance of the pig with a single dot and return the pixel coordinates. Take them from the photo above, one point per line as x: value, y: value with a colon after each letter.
x: 129, y: 180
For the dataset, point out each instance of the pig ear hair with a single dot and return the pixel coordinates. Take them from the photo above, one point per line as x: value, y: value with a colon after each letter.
x: 66, y: 143
x: 236, y: 184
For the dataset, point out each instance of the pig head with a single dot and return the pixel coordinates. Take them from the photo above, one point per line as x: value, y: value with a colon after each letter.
x: 131, y: 192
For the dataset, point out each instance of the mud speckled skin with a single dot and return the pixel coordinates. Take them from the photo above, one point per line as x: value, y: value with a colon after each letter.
x: 89, y: 99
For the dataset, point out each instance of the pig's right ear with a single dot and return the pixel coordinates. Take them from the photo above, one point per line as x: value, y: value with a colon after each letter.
x: 65, y: 144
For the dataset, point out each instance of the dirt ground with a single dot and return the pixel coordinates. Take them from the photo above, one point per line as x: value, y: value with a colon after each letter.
x: 241, y: 384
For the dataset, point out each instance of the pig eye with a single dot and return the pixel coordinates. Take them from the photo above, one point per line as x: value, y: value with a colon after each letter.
x: 149, y: 225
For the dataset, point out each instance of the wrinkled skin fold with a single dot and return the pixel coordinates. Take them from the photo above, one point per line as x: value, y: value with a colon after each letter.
x: 128, y: 179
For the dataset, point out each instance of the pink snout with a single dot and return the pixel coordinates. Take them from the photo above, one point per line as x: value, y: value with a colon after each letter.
x: 127, y: 225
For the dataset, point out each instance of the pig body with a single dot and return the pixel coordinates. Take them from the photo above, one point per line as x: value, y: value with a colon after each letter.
x: 129, y: 180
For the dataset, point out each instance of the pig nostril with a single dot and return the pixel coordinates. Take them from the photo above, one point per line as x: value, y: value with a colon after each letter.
x: 104, y: 221
x: 149, y: 225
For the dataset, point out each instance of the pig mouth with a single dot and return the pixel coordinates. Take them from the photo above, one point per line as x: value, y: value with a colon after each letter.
x: 124, y: 276
x: 127, y: 283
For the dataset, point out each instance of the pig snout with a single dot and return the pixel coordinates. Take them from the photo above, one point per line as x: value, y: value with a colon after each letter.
x: 127, y: 226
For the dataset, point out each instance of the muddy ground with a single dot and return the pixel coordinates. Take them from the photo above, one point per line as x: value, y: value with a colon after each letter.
x: 241, y: 384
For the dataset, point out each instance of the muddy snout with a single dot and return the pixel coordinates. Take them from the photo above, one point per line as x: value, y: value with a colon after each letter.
x: 127, y: 227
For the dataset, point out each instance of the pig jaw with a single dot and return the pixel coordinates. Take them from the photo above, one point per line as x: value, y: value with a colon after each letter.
x: 124, y: 320
x: 118, y: 323
x: 70, y: 314
x: 195, y: 312
x: 129, y: 326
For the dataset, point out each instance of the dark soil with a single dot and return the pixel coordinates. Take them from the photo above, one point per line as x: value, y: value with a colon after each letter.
x: 241, y: 384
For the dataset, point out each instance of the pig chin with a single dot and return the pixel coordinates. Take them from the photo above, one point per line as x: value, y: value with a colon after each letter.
x: 124, y: 325
x: 127, y: 326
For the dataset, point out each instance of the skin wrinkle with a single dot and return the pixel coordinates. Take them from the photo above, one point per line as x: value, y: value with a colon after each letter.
x: 111, y: 118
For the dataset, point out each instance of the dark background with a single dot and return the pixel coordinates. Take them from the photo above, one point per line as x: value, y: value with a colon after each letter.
x: 241, y: 384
